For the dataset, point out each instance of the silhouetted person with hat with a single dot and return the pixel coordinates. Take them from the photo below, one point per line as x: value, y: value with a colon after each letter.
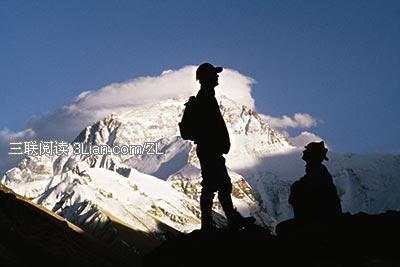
x: 314, y: 197
x: 212, y: 142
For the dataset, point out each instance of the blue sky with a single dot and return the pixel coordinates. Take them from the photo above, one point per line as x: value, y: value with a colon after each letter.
x: 338, y: 61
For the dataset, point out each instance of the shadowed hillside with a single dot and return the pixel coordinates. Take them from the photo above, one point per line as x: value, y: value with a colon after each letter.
x: 32, y: 236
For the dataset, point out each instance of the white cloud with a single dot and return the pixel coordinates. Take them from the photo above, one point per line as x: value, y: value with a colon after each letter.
x: 170, y: 83
x: 300, y: 120
x: 91, y: 106
x: 304, y: 138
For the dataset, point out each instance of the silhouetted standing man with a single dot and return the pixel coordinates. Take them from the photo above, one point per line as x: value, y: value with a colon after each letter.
x: 213, y: 141
x: 314, y: 196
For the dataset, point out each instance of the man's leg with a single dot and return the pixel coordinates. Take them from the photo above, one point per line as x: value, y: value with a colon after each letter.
x: 224, y: 197
x: 206, y: 202
x: 235, y: 219
x: 207, y: 164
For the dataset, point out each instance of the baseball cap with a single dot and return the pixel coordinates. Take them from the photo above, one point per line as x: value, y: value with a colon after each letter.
x: 205, y: 69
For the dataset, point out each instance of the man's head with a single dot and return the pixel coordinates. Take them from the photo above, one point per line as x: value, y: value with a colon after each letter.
x: 207, y: 74
x: 315, y: 152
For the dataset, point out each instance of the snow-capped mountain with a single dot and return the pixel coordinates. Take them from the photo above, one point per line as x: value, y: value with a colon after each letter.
x: 146, y: 190
x: 152, y: 191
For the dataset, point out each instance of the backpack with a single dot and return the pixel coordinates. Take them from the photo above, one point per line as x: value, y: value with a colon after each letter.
x: 189, y: 122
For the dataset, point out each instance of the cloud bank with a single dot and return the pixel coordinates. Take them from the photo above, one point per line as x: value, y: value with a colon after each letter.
x: 91, y: 106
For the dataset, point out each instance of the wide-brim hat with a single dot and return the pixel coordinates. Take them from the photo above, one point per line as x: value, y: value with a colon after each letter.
x: 317, y: 148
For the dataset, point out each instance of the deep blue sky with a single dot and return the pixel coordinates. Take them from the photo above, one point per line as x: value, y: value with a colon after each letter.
x: 336, y: 60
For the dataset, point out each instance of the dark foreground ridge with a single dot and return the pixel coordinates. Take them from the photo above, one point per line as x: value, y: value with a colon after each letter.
x: 356, y: 240
x: 32, y: 236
